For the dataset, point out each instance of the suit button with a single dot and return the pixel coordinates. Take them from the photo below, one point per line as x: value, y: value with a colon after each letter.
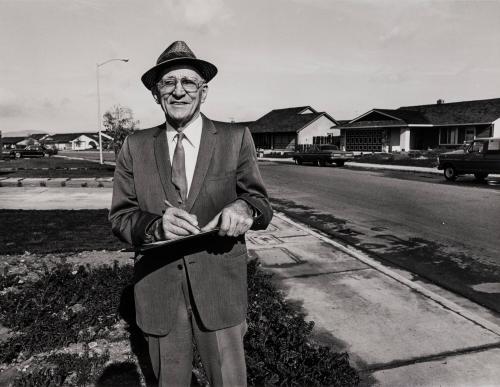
x: 179, y: 267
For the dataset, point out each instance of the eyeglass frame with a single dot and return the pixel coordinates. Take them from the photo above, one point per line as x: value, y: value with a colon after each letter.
x: 198, y: 84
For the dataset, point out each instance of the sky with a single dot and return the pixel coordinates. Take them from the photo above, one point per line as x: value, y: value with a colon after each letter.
x: 342, y: 57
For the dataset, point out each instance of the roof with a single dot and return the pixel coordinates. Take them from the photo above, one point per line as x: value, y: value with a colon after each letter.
x: 37, y: 136
x: 67, y: 137
x: 12, y: 140
x: 373, y: 123
x: 455, y: 113
x: 477, y: 111
x: 343, y: 122
x: 286, y: 120
x: 93, y: 136
x: 407, y: 115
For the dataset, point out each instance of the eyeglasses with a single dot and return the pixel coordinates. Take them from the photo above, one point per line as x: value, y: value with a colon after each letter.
x: 168, y: 85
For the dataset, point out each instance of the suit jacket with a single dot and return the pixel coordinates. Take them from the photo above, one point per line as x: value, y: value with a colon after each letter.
x: 226, y: 169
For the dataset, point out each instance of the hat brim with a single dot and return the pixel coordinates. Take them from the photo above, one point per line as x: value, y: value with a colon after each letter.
x: 206, y: 69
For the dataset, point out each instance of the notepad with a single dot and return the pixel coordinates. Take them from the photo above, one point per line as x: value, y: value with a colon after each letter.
x: 155, y: 245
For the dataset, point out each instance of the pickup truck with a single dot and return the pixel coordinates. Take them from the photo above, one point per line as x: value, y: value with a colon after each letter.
x: 321, y: 155
x: 479, y: 157
x: 32, y: 151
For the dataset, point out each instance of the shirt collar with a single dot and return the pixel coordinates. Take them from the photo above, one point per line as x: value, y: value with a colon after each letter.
x: 192, y: 132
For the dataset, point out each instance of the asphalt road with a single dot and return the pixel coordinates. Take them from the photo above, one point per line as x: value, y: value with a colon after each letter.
x: 446, y: 233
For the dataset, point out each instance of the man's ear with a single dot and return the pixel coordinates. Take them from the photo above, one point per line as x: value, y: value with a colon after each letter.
x: 204, y: 92
x: 155, y: 95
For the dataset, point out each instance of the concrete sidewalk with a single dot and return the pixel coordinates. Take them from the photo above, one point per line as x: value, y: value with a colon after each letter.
x: 397, y: 332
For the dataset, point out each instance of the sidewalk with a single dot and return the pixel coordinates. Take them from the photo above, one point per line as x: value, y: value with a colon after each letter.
x: 397, y: 332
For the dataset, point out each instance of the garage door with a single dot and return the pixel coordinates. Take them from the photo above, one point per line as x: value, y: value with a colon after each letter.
x: 364, y: 140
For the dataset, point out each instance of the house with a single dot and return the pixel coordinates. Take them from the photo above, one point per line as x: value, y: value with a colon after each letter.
x: 284, y: 129
x: 76, y: 141
x: 32, y: 139
x: 439, y: 125
x: 12, y: 142
x: 85, y: 141
x: 39, y: 136
x: 60, y: 141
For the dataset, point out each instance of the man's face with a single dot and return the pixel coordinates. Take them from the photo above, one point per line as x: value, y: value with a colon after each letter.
x: 180, y: 105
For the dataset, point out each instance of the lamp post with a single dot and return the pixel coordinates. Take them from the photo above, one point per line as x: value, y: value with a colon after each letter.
x: 99, y: 120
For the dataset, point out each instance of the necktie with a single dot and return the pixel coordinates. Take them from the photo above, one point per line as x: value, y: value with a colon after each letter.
x: 179, y: 168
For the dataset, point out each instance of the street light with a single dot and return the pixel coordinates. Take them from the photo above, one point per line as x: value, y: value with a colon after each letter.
x: 99, y: 102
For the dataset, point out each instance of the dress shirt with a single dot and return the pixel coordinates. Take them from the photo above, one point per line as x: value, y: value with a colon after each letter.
x: 191, y: 143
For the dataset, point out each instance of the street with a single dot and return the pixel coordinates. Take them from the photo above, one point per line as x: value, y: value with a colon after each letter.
x: 446, y: 233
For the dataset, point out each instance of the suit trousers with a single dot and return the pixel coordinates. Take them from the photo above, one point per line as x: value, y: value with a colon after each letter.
x: 221, y: 351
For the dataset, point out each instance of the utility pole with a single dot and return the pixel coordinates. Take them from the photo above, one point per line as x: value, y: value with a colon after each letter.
x: 99, y: 118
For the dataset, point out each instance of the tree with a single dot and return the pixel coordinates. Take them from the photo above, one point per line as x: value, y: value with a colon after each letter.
x: 119, y: 123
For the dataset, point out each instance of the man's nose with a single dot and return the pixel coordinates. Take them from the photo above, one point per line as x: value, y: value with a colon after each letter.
x: 178, y: 90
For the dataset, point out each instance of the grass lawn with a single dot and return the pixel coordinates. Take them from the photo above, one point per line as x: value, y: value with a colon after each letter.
x: 89, y: 154
x: 54, y: 167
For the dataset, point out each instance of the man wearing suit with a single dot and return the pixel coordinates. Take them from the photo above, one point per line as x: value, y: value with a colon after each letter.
x: 186, y: 176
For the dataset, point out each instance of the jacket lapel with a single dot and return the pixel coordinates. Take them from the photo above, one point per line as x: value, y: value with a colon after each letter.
x: 205, y: 153
x: 163, y: 164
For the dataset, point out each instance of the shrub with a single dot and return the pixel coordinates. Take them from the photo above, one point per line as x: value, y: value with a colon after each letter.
x: 64, y: 306
x: 278, y: 345
x: 60, y: 367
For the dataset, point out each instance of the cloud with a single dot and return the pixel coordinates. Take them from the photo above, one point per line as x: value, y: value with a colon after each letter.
x: 11, y: 110
x: 198, y: 14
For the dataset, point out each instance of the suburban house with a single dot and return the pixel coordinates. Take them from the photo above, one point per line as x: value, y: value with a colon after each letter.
x: 18, y: 142
x: 76, y: 141
x: 440, y: 125
x: 11, y: 142
x: 284, y: 129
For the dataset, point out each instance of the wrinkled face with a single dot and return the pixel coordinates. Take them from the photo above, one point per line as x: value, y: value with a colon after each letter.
x: 180, y: 91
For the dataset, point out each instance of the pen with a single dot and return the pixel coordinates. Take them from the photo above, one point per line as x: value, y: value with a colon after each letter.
x: 170, y: 205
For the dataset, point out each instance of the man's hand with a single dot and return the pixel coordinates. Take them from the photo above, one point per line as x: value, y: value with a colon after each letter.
x: 235, y: 219
x: 178, y: 223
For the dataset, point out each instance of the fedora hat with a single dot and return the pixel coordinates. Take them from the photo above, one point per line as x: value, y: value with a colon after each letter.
x: 175, y: 54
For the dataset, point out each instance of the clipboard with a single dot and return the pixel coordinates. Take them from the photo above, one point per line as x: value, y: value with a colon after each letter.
x: 155, y: 245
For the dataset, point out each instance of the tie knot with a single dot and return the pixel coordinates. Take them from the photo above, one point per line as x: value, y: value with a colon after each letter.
x: 180, y: 136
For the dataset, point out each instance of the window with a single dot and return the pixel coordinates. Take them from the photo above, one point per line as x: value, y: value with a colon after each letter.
x: 470, y: 134
x: 449, y: 136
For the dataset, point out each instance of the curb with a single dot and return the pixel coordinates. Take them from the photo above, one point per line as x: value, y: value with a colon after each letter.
x: 361, y: 256
x: 369, y: 166
x: 93, y: 182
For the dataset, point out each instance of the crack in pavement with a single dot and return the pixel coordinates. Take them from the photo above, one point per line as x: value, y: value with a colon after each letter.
x: 423, y: 359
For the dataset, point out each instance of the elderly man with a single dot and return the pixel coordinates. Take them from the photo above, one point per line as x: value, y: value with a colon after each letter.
x: 186, y: 176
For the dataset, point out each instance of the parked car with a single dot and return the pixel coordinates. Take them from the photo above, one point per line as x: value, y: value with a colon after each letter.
x: 322, y: 154
x: 479, y: 157
x: 32, y: 151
